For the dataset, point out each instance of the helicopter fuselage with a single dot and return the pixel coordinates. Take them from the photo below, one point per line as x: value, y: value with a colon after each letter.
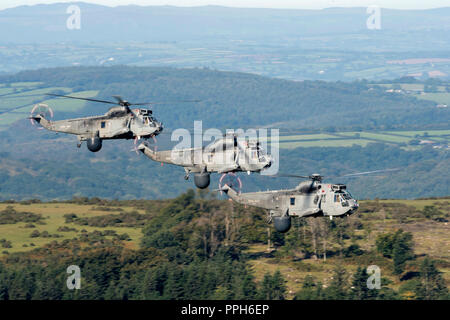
x: 117, y: 123
x: 219, y: 157
x: 307, y: 199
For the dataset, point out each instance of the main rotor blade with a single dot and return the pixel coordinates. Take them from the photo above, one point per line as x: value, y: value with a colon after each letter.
x: 163, y: 102
x: 290, y: 176
x: 367, y: 172
x: 87, y: 99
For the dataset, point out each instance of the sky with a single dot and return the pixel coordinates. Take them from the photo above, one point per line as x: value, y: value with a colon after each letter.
x: 294, y: 4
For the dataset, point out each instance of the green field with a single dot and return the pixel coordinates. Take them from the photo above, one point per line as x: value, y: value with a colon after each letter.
x: 377, y: 136
x: 432, y: 133
x: 324, y: 143
x: 21, y: 97
x: 439, y: 97
x: 361, y: 138
x: 54, y: 218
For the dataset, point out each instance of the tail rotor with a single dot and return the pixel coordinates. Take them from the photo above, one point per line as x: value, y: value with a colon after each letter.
x: 231, y: 180
x: 138, y: 141
x: 40, y: 110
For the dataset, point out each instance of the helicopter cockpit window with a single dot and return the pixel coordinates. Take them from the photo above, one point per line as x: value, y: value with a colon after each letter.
x: 103, y: 124
x: 342, y: 197
x: 346, y: 196
x: 292, y: 201
x: 337, y: 197
x: 261, y: 152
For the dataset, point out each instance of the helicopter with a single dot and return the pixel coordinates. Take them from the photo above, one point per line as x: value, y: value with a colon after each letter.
x: 226, y: 155
x: 120, y: 122
x: 310, y: 197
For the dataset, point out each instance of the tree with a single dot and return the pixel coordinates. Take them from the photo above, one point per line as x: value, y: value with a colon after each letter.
x: 4, y: 283
x: 402, y: 251
x: 310, y: 290
x: 174, y: 289
x: 221, y: 293
x: 431, y: 211
x: 273, y: 287
x: 398, y: 246
x: 338, y: 289
x: 244, y: 287
x: 432, y: 284
x: 359, y: 289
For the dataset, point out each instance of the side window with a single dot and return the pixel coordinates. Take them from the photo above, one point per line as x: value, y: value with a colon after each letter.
x: 292, y: 201
x: 316, y: 199
x: 324, y: 198
x: 336, y: 198
x: 103, y: 124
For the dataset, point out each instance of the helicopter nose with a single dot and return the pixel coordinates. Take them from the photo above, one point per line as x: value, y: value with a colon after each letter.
x: 268, y: 163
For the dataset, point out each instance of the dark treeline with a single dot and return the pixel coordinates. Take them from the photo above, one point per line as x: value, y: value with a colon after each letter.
x: 116, y: 173
x: 195, y: 248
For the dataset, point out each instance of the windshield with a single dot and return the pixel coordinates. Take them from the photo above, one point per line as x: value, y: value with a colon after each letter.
x: 346, y: 196
x: 148, y: 120
x: 261, y: 154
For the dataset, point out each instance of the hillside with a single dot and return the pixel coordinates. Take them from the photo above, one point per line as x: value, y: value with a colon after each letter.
x: 40, y: 164
x: 218, y: 250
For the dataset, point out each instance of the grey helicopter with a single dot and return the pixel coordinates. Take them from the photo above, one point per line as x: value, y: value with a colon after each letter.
x: 311, y: 197
x: 226, y: 155
x: 119, y: 122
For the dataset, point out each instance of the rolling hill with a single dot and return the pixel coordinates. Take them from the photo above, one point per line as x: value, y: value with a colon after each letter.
x: 45, y: 165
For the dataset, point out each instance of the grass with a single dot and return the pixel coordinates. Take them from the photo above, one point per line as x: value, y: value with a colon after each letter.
x: 332, y: 140
x: 29, y: 98
x: 419, y: 204
x: 430, y: 238
x: 54, y: 218
x: 26, y: 84
x: 431, y: 133
x: 24, y: 98
x: 319, y: 136
x: 6, y: 90
x: 324, y: 143
x: 383, y: 137
x: 439, y: 97
x: 70, y: 105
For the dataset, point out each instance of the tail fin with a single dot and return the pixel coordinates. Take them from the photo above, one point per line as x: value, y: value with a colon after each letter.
x: 40, y: 119
x: 147, y: 151
x: 233, y: 194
